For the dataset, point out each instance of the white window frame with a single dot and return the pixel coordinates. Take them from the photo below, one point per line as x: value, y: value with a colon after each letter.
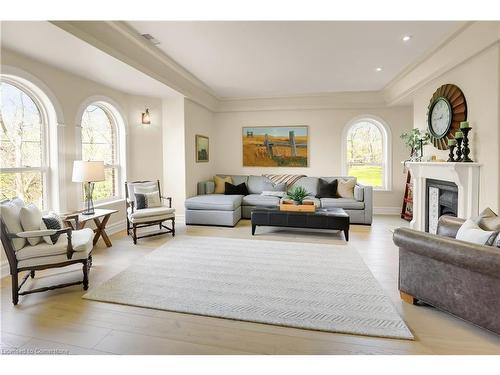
x: 113, y: 110
x: 385, y: 130
x: 44, y: 167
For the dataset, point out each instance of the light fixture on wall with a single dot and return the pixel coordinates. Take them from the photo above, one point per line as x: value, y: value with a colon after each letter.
x: 146, y: 117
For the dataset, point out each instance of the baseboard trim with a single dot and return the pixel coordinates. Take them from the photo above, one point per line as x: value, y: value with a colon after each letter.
x: 386, y: 210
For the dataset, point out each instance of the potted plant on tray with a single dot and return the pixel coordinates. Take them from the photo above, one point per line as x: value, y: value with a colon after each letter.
x: 297, y: 194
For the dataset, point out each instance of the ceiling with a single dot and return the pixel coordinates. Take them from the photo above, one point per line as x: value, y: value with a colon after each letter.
x: 48, y: 43
x: 283, y: 58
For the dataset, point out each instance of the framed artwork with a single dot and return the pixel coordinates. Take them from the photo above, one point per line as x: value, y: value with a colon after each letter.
x: 202, y: 149
x: 275, y: 146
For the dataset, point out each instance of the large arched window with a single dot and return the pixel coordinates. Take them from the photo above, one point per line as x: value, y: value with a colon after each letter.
x: 23, y: 135
x: 100, y: 141
x: 366, y: 152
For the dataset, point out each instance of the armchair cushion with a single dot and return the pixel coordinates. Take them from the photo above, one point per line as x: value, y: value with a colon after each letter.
x: 141, y: 187
x: 31, y: 219
x: 150, y: 212
x: 81, y: 241
x: 147, y: 200
x: 10, y: 211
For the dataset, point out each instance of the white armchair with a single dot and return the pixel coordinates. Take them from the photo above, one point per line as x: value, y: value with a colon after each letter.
x: 141, y: 215
x: 71, y: 247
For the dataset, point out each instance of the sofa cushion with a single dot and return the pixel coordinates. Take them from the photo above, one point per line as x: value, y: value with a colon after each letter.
x: 260, y: 200
x: 240, y: 189
x: 327, y: 189
x: 308, y: 183
x: 471, y: 232
x: 345, y: 203
x: 81, y: 240
x: 237, y: 179
x: 345, y: 188
x: 220, y: 184
x: 488, y: 220
x: 218, y: 202
x: 10, y: 211
x: 31, y: 219
x: 257, y: 184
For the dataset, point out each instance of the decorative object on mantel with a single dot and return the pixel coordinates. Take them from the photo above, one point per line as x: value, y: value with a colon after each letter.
x: 407, y: 211
x: 459, y: 136
x: 465, y: 128
x: 452, y: 143
x: 415, y: 140
x: 447, y: 109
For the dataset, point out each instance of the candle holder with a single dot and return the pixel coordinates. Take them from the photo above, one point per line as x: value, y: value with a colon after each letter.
x: 459, y: 149
x: 451, y: 154
x: 466, y: 151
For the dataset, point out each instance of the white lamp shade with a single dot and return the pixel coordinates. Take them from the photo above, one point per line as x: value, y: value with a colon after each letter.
x: 88, y: 171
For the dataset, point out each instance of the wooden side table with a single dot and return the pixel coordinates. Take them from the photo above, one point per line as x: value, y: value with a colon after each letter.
x: 100, y: 218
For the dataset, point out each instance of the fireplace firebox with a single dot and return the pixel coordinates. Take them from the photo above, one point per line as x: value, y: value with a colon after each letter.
x: 441, y: 198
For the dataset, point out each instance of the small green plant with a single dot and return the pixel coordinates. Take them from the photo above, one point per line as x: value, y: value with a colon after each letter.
x: 298, y: 194
x: 412, y: 140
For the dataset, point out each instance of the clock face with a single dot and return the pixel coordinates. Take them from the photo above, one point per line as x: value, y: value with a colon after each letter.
x: 440, y: 117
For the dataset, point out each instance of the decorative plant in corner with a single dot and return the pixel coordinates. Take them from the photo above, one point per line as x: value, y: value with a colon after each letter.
x: 414, y: 140
x: 297, y: 194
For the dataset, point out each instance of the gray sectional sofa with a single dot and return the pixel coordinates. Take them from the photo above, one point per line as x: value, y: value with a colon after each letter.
x: 208, y: 208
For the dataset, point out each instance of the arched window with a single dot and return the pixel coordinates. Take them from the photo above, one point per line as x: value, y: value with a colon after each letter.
x: 100, y: 141
x: 366, y: 147
x: 23, y: 145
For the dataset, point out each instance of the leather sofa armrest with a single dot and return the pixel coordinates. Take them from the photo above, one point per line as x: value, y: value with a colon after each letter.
x: 476, y: 258
x: 448, y: 226
x: 206, y: 187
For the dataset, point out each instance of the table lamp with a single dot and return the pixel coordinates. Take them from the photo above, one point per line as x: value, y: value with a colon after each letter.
x: 88, y: 172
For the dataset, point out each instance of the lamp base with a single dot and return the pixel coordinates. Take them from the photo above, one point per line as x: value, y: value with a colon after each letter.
x: 89, y: 207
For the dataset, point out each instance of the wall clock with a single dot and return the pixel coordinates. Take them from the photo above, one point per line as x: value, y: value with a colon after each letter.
x: 447, y: 108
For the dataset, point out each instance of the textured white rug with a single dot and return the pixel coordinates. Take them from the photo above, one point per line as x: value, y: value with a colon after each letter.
x: 304, y: 285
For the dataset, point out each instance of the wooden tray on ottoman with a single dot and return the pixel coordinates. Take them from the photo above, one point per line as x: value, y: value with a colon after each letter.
x: 305, y: 207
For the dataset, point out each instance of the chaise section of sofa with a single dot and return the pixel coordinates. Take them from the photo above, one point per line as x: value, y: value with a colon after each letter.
x: 208, y: 208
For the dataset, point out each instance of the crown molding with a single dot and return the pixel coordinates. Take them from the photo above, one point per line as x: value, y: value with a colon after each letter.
x: 123, y: 43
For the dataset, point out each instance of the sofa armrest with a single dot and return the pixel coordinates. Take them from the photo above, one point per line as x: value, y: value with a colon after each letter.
x: 476, y: 258
x: 206, y: 187
x: 448, y: 226
x: 364, y: 193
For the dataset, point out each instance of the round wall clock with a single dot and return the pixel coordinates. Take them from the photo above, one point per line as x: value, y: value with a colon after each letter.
x: 447, y: 108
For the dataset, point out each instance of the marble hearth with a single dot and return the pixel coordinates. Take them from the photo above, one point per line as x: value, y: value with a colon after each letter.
x: 464, y: 175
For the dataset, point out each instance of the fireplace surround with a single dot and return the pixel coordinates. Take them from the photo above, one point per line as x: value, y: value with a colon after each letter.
x: 441, y: 198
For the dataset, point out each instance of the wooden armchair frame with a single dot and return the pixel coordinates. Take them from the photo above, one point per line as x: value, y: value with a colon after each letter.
x: 132, y: 227
x: 6, y: 239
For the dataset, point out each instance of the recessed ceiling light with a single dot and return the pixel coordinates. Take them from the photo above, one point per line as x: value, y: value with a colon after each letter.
x: 406, y: 38
x: 379, y: 69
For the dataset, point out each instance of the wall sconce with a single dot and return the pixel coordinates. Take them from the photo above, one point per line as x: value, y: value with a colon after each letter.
x: 146, y: 118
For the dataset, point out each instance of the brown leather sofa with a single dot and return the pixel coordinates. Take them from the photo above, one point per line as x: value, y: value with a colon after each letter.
x: 458, y: 277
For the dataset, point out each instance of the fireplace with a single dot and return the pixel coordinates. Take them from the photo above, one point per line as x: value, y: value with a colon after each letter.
x: 441, y: 198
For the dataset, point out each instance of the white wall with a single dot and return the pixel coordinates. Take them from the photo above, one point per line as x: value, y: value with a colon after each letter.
x: 325, y: 133
x: 479, y: 79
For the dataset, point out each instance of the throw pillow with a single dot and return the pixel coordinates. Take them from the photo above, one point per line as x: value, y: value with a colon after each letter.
x: 471, y: 232
x: 345, y: 188
x: 220, y: 184
x: 240, y: 189
x: 147, y: 200
x: 31, y: 219
x: 51, y: 221
x: 488, y: 220
x: 327, y: 189
x: 10, y: 211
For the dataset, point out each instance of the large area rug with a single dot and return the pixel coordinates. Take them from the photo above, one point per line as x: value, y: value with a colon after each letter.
x: 304, y: 285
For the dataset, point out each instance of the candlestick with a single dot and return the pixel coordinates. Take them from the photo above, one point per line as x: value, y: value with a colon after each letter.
x: 459, y: 149
x: 451, y: 155
x: 464, y: 125
x: 466, y: 158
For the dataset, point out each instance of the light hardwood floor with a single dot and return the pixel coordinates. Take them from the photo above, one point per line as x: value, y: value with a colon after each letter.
x: 62, y: 322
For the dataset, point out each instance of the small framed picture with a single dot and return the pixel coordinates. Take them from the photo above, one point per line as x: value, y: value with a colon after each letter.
x: 202, y: 149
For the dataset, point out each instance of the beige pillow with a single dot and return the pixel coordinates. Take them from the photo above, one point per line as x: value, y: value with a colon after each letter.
x: 31, y: 219
x: 488, y: 220
x: 220, y: 184
x: 345, y: 188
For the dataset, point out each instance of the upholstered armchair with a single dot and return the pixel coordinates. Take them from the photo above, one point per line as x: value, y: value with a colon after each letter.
x: 145, y: 208
x: 28, y: 251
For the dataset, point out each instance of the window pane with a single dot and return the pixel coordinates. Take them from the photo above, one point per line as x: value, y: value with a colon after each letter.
x: 21, y: 130
x: 108, y: 188
x: 365, y: 154
x: 98, y: 136
x: 25, y: 185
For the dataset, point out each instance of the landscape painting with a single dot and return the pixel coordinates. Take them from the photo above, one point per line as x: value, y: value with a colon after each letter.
x: 201, y: 149
x: 275, y: 146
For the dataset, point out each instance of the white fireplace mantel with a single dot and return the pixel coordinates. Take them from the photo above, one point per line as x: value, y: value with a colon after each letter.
x: 464, y: 175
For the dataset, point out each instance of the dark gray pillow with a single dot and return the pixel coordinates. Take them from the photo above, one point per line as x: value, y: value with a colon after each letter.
x: 52, y: 222
x: 327, y: 189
